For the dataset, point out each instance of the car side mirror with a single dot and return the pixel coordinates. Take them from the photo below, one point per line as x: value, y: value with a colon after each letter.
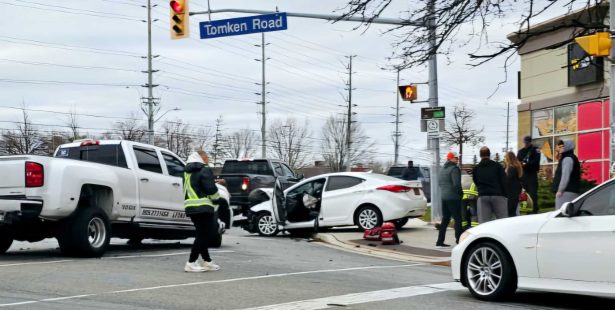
x: 567, y: 209
x: 300, y: 177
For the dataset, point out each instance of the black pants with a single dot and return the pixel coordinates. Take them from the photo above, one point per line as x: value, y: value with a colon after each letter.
x: 205, y: 225
x: 513, y: 203
x: 469, y: 206
x: 530, y: 183
x: 450, y: 207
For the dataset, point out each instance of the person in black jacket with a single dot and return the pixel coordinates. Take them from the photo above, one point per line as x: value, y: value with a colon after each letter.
x: 490, y: 181
x: 451, y: 193
x: 201, y: 196
x: 514, y: 172
x: 411, y: 173
x: 529, y: 156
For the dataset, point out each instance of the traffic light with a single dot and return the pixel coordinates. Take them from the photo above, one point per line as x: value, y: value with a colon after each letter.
x: 179, y: 19
x: 597, y: 44
x: 408, y: 92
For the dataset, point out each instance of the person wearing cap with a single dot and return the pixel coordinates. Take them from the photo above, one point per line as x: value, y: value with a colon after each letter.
x: 567, y: 178
x: 490, y: 180
x: 529, y: 156
x: 451, y: 194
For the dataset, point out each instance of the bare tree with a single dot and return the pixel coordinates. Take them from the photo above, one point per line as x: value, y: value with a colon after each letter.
x: 460, y: 131
x: 72, y: 122
x: 333, y: 147
x: 128, y: 129
x: 25, y: 139
x: 177, y: 137
x: 449, y: 16
x: 241, y: 144
x: 288, y: 141
x: 218, y: 151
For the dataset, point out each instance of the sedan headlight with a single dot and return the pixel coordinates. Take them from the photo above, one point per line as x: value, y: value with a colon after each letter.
x: 464, y: 236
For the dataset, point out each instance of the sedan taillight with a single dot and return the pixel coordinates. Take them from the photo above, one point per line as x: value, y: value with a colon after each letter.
x: 35, y: 176
x: 395, y: 188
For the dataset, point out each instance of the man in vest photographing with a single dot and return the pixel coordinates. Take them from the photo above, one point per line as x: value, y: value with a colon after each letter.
x: 200, y: 198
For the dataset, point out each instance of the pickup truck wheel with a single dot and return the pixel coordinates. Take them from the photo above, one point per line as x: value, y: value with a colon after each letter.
x: 399, y: 224
x: 5, y: 242
x: 216, y: 241
x: 266, y: 225
x: 87, y: 234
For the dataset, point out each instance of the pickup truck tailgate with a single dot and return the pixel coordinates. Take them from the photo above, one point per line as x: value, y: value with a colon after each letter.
x: 12, y: 178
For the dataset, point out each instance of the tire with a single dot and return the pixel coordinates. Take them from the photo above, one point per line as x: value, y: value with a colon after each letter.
x: 266, y: 225
x: 399, y: 224
x: 86, y: 234
x: 368, y: 217
x: 481, y: 268
x: 216, y: 242
x: 5, y: 242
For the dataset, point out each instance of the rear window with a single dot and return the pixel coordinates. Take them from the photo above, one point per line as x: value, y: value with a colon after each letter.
x: 341, y: 182
x: 248, y: 167
x: 396, y: 171
x: 110, y: 154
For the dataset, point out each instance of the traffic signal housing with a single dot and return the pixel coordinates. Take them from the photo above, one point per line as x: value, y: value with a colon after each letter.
x: 597, y: 44
x: 179, y: 19
x: 408, y: 92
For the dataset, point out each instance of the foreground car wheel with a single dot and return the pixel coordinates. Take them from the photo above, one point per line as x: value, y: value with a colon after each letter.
x: 266, y: 225
x: 5, y: 242
x: 489, y: 272
x: 368, y: 217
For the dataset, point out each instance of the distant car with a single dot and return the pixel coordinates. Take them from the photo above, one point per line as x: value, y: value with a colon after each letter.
x: 422, y: 172
x: 570, y: 250
x: 342, y: 199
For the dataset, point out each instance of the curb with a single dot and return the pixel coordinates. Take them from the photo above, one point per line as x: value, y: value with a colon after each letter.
x: 331, y: 241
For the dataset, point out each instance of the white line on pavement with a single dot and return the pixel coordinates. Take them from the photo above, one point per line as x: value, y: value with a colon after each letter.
x: 365, y: 297
x: 212, y: 282
x: 109, y: 257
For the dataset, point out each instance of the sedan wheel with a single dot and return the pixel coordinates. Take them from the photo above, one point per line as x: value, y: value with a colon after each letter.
x: 368, y: 217
x: 266, y: 225
x: 489, y: 272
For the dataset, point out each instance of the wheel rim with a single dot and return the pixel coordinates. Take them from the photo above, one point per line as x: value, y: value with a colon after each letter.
x: 97, y: 233
x: 368, y: 218
x: 267, y: 225
x: 484, y: 271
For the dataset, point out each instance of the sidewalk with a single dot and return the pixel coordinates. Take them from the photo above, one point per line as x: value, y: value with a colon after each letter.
x: 418, y: 243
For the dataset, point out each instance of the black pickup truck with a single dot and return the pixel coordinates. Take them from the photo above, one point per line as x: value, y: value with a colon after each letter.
x: 244, y: 176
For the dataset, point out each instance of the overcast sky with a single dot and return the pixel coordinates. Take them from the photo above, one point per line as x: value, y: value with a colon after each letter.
x: 92, y: 50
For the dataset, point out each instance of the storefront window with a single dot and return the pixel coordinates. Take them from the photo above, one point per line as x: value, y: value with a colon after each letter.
x: 566, y: 119
x: 542, y: 123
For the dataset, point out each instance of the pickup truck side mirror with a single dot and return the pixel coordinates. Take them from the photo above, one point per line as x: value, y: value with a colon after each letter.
x: 567, y: 209
x: 300, y: 177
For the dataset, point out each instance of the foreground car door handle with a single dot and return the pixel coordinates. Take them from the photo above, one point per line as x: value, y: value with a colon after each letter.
x: 176, y: 184
x: 144, y: 180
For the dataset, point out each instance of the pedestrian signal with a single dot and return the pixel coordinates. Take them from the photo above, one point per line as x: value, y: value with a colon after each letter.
x: 408, y: 92
x: 179, y: 19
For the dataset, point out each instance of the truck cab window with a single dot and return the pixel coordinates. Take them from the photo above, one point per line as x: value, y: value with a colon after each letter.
x: 148, y: 160
x: 174, y: 165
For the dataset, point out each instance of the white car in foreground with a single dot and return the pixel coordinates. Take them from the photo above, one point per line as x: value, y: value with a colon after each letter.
x: 337, y: 199
x: 571, y: 250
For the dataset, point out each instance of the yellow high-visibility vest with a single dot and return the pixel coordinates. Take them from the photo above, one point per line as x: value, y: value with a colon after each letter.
x: 470, y: 193
x: 191, y: 199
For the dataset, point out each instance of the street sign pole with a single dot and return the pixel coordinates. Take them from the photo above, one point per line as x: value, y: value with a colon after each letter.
x: 612, y: 86
x: 434, y: 143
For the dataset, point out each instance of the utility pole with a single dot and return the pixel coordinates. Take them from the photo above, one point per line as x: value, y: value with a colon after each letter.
x: 217, y: 140
x: 150, y: 86
x: 263, y: 102
x: 436, y: 207
x: 507, y: 124
x: 349, y: 122
x: 612, y: 86
x: 397, y: 133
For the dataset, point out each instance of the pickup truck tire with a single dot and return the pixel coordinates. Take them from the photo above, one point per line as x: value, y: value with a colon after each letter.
x: 216, y: 241
x: 5, y: 242
x: 266, y: 225
x: 400, y: 223
x: 87, y: 233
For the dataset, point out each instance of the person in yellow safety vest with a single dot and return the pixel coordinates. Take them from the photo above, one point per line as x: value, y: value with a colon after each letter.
x: 200, y: 199
x: 469, y: 199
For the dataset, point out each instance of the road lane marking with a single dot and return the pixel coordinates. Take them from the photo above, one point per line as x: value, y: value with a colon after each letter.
x: 278, y: 275
x: 108, y: 257
x: 365, y: 297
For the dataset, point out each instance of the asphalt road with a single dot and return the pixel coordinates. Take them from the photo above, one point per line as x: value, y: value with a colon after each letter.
x: 261, y: 273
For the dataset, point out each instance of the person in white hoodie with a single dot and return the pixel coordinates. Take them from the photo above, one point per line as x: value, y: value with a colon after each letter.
x: 201, y: 196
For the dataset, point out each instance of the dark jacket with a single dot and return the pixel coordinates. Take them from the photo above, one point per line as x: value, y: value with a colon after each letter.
x: 513, y: 183
x: 410, y: 173
x: 203, y: 183
x: 568, y: 173
x: 530, y: 159
x: 490, y: 178
x: 450, y: 182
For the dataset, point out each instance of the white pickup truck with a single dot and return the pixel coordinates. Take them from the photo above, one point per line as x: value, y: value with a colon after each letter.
x: 91, y: 191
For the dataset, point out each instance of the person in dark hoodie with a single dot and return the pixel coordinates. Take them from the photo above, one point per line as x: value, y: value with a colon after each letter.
x: 451, y: 192
x: 490, y: 180
x: 567, y: 175
x: 201, y: 195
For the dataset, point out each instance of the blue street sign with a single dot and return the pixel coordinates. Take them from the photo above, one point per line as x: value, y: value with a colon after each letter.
x: 243, y: 25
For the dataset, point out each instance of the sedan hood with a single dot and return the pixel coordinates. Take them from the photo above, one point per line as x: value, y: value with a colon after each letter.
x: 525, y: 224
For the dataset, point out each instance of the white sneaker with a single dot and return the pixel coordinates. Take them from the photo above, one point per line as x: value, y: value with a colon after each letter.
x: 210, y: 266
x: 194, y: 267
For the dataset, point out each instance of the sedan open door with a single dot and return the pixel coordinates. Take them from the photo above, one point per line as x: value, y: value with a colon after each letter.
x: 278, y: 200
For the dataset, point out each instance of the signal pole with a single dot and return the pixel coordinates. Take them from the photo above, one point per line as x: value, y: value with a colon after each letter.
x: 397, y: 134
x: 436, y: 208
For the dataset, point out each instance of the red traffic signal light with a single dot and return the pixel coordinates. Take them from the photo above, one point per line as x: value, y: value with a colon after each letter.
x: 176, y: 6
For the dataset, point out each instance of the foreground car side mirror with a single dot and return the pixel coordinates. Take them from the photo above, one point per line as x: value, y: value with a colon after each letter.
x: 567, y: 209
